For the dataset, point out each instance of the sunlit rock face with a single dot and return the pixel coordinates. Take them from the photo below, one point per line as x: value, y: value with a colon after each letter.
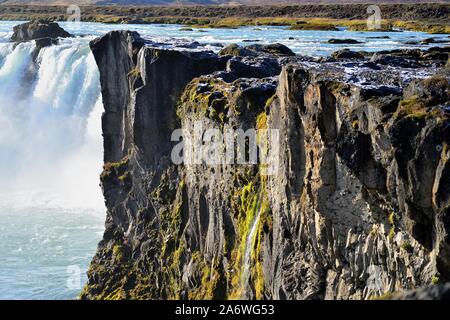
x: 358, y: 205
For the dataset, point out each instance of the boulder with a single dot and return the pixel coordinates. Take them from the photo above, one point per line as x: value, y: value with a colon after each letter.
x: 394, y: 61
x: 433, y: 40
x: 343, y: 41
x: 253, y: 67
x: 412, y: 43
x: 379, y: 37
x: 347, y: 54
x: 273, y: 49
x: 45, y: 42
x: 276, y: 49
x: 433, y: 90
x: 236, y: 50
x: 37, y: 30
x: 439, y: 49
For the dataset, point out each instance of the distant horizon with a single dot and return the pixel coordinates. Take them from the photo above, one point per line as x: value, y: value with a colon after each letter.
x: 162, y: 3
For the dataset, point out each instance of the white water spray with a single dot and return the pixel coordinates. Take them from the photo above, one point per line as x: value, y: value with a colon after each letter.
x: 50, y: 131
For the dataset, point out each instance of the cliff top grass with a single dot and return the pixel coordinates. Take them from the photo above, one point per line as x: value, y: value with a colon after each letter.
x: 324, y: 24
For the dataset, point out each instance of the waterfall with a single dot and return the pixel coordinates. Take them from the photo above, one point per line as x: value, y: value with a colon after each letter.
x: 50, y: 109
x: 249, y: 246
x: 250, y: 243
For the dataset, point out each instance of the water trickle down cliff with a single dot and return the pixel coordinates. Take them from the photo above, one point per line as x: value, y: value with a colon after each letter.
x: 249, y: 247
x: 362, y: 181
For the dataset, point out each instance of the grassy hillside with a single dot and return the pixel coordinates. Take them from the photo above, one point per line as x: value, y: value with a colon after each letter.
x: 433, y: 18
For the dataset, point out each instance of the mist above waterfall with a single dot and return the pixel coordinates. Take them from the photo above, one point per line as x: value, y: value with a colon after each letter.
x: 50, y: 110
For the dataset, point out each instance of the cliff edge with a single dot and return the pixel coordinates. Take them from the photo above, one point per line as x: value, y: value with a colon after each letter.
x: 354, y: 205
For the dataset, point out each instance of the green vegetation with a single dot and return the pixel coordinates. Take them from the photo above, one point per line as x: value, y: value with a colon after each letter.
x: 426, y: 104
x: 265, y: 227
x: 126, y: 176
x: 375, y: 230
x: 417, y: 108
x: 445, y: 149
x: 384, y: 296
x: 270, y: 101
x: 261, y: 121
x: 215, y: 99
x: 134, y: 73
x: 210, y: 279
x: 249, y: 203
x: 424, y: 17
x: 406, y: 246
x: 118, y: 294
x: 173, y: 249
x: 435, y: 280
x: 205, y: 97
x: 414, y: 107
x: 391, y: 233
x: 391, y: 220
x: 115, y: 167
x: 333, y: 24
x: 423, y: 26
x: 125, y: 279
x: 252, y: 201
x: 324, y: 24
x: 118, y: 252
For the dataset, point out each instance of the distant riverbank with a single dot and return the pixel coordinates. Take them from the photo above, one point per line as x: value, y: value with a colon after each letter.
x: 431, y: 18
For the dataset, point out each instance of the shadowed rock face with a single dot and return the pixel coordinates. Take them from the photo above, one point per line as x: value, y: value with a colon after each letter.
x: 359, y: 205
x: 38, y: 30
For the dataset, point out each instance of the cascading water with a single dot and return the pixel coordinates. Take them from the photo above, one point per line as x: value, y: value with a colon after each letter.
x: 250, y: 243
x: 51, y: 206
x: 249, y: 247
x: 50, y: 116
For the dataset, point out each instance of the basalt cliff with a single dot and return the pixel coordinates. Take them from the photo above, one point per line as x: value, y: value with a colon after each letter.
x: 358, y: 205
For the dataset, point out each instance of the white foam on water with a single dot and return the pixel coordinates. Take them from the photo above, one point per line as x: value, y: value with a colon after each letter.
x: 51, y: 206
x: 51, y: 132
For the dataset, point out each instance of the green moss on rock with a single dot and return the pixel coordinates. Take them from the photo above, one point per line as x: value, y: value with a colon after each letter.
x: 115, y: 168
x: 205, y: 97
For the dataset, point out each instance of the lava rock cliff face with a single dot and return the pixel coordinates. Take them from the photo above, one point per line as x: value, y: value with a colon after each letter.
x: 358, y: 206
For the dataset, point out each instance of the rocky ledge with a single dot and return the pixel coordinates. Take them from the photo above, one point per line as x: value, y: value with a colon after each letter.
x: 357, y: 208
x: 45, y: 33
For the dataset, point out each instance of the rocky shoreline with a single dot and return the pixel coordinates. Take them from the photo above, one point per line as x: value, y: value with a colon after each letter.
x: 362, y: 187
